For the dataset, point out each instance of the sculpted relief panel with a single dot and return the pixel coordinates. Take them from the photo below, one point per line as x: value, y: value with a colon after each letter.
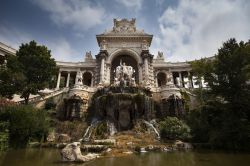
x: 124, y: 26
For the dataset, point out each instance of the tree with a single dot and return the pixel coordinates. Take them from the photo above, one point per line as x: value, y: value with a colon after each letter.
x: 224, y: 119
x: 29, y: 71
x: 230, y: 75
x: 24, y: 123
x: 200, y: 68
x: 11, y: 78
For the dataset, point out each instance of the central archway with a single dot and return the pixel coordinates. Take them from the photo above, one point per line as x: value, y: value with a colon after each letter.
x: 129, y: 61
x: 131, y: 58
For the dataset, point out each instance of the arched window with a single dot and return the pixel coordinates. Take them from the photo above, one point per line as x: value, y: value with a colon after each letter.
x: 87, y: 78
x: 161, y: 79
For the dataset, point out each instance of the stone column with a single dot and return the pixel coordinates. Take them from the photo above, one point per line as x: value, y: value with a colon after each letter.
x: 139, y: 73
x: 167, y: 76
x: 146, y: 68
x: 190, y: 80
x: 108, y: 73
x: 180, y: 80
x: 156, y: 80
x: 76, y: 78
x: 68, y: 78
x: 172, y: 77
x: 92, y: 80
x: 58, y: 80
x: 102, y: 71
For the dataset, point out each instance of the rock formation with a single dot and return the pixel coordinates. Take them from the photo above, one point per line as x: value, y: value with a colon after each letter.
x: 72, y: 153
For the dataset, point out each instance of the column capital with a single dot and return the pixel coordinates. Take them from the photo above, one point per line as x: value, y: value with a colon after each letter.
x: 102, y: 54
x: 146, y: 54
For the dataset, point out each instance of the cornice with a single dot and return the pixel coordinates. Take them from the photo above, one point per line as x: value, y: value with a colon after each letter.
x: 7, y: 49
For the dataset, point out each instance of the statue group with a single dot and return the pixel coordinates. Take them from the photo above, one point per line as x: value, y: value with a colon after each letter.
x: 124, y: 75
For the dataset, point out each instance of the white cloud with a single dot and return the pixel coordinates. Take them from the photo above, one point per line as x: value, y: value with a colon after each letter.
x: 61, y: 50
x: 133, y: 4
x: 80, y: 14
x: 13, y: 37
x: 196, y: 29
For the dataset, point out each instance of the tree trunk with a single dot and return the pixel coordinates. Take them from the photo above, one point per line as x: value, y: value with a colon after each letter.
x: 26, y: 99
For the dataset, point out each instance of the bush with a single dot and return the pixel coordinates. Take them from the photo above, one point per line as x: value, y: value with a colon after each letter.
x: 215, y: 123
x: 25, y: 123
x: 50, y: 104
x: 101, y: 131
x: 5, y: 102
x: 174, y: 128
x: 74, y: 129
x: 4, y: 135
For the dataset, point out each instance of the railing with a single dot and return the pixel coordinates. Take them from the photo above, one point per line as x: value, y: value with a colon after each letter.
x: 41, y: 98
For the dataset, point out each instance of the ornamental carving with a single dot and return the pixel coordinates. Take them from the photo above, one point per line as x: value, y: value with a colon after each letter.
x: 124, y: 25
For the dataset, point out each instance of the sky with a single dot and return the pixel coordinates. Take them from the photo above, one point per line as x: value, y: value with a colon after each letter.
x: 183, y: 29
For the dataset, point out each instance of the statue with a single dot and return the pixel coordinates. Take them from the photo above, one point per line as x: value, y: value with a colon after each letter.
x: 78, y: 82
x: 160, y: 55
x: 124, y: 75
x: 145, y: 45
x: 103, y: 45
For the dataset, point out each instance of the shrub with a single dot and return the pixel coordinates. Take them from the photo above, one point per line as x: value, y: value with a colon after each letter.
x: 25, y: 123
x: 174, y: 128
x: 233, y: 131
x: 4, y: 103
x: 101, y: 131
x: 50, y: 104
x: 4, y: 136
x: 74, y: 129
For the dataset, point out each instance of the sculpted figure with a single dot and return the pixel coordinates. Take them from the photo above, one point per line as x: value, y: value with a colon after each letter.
x: 123, y: 75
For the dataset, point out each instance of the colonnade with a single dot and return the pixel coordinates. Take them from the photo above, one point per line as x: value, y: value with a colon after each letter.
x: 78, y: 80
x: 171, y: 77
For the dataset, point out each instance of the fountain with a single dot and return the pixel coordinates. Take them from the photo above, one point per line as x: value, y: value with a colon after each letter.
x: 172, y: 106
x: 89, y: 131
x: 112, y: 128
x: 71, y: 108
x: 122, y: 104
x: 151, y: 126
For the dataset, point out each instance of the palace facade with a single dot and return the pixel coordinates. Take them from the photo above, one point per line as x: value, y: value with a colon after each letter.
x: 123, y: 45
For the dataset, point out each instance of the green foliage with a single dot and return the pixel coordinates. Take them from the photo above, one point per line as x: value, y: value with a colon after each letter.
x: 4, y: 135
x: 50, y: 104
x: 75, y: 129
x: 28, y: 72
x: 186, y: 98
x: 217, y: 124
x: 10, y: 78
x: 223, y: 120
x: 101, y: 131
x: 199, y: 69
x: 4, y: 103
x: 174, y: 128
x: 230, y: 72
x: 25, y: 123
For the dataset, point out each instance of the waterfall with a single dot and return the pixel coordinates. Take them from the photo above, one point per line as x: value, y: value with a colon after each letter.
x: 89, y: 130
x: 112, y: 128
x: 150, y: 125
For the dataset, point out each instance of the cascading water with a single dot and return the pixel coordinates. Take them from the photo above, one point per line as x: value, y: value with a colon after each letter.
x: 112, y: 128
x: 89, y: 130
x: 150, y: 125
x: 122, y: 109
